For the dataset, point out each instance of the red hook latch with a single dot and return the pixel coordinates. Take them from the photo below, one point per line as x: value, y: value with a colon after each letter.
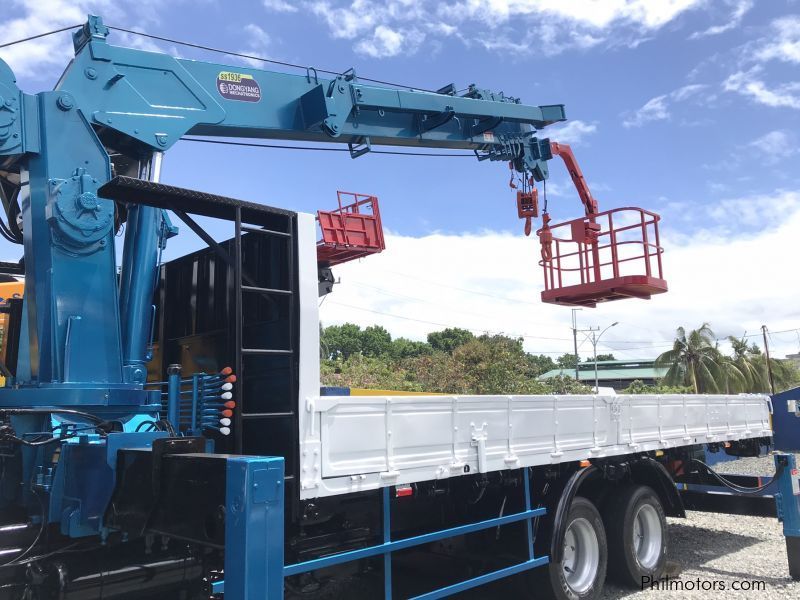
x: 546, y: 238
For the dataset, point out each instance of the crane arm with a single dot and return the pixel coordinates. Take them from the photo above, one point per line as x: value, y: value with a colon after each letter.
x: 578, y: 180
x: 134, y: 105
x: 155, y: 98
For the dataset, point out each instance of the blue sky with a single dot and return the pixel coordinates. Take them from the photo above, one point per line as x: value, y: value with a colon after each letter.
x: 686, y: 107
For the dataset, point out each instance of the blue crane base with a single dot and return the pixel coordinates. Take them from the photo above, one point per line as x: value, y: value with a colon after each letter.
x: 787, y: 500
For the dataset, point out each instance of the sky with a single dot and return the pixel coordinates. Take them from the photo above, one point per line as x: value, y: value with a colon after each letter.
x: 689, y: 108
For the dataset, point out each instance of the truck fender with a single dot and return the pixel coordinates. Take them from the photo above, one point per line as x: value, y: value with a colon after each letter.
x: 651, y: 472
x: 562, y: 510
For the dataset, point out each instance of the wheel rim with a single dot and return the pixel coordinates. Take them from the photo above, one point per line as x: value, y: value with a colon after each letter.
x: 581, y: 555
x: 647, y: 536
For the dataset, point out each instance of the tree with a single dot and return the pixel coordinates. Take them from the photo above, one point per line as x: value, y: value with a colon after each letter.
x: 449, y: 339
x: 693, y: 360
x: 605, y: 357
x: 342, y: 341
x: 541, y: 363
x: 637, y: 386
x: 405, y: 348
x: 375, y: 341
x: 567, y: 361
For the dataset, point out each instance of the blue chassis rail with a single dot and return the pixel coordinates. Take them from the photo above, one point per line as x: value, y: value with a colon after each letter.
x: 254, y: 538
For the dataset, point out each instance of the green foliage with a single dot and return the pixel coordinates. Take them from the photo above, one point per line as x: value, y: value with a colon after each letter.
x: 637, y: 386
x: 341, y: 341
x: 453, y: 361
x: 360, y: 371
x: 693, y: 361
x: 567, y: 361
x: 375, y: 341
x: 542, y: 363
x: 697, y: 362
x: 405, y: 348
x: 449, y: 339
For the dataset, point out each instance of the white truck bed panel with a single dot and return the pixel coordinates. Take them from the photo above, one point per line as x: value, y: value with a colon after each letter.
x: 354, y: 443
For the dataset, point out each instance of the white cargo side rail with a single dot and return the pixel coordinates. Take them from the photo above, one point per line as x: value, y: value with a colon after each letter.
x: 357, y: 443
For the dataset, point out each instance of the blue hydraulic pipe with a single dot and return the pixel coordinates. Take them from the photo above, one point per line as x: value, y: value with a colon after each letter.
x: 173, y: 394
x: 138, y: 279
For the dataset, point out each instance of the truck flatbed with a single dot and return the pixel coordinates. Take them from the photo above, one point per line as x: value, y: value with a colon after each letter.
x: 357, y: 443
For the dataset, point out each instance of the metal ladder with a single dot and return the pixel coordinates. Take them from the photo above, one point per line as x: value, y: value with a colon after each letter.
x: 244, y: 284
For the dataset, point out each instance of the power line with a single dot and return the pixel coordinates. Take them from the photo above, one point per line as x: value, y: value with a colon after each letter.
x: 479, y: 330
x: 460, y: 289
x: 39, y: 35
x: 324, y: 149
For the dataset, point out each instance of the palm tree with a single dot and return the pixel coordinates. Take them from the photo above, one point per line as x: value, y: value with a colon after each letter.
x: 751, y: 363
x: 693, y: 361
x: 734, y: 381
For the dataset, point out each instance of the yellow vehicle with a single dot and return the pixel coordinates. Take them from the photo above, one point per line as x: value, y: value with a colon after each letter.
x: 9, y: 288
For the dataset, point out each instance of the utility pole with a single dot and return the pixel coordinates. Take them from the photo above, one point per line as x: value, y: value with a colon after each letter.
x: 594, y: 338
x: 575, y: 338
x: 769, y: 365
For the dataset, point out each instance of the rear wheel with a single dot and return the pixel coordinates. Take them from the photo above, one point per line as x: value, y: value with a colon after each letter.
x: 580, y: 573
x: 637, y: 535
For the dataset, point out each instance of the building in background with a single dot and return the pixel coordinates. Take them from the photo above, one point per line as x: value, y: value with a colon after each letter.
x: 617, y: 374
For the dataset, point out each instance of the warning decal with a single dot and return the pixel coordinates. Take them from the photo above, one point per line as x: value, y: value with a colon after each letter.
x: 238, y: 86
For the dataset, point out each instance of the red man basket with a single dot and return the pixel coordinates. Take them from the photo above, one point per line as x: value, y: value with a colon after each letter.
x: 352, y: 231
x: 602, y: 257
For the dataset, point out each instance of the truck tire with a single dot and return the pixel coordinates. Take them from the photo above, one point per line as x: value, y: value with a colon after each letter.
x: 582, y: 570
x: 637, y: 535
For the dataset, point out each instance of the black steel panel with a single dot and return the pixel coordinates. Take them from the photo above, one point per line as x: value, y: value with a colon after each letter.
x: 196, y: 328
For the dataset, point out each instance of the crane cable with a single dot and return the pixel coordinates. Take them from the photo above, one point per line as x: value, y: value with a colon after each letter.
x: 249, y: 57
x: 260, y: 58
x: 218, y: 51
x: 39, y: 35
x: 323, y: 149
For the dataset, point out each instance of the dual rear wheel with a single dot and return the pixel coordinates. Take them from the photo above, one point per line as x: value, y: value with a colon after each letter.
x: 628, y: 541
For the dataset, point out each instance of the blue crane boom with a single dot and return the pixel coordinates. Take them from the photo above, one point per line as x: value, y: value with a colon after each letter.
x: 141, y: 103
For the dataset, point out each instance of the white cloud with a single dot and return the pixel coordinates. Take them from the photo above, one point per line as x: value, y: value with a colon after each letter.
x: 548, y: 26
x: 735, y: 279
x: 279, y: 6
x: 784, y: 43
x: 257, y: 42
x: 658, y: 108
x: 573, y: 132
x: 654, y: 109
x: 387, y: 42
x: 775, y: 146
x: 750, y: 84
x: 43, y: 58
x: 40, y: 17
x: 650, y: 14
x: 759, y: 211
x: 740, y: 9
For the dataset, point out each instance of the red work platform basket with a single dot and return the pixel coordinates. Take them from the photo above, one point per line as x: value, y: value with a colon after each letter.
x: 607, y: 256
x: 352, y: 231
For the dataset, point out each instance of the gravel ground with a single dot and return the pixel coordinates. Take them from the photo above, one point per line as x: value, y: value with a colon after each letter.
x: 763, y: 465
x: 725, y: 549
